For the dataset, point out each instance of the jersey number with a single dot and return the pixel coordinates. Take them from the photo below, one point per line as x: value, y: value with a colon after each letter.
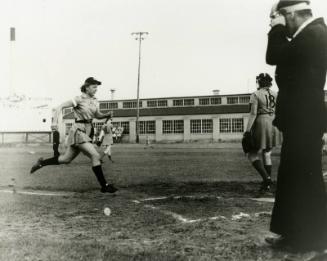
x: 271, y: 103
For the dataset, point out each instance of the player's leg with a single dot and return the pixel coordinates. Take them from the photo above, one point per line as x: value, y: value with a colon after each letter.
x: 258, y: 165
x: 108, y: 152
x: 89, y: 150
x: 66, y: 158
x: 266, y: 156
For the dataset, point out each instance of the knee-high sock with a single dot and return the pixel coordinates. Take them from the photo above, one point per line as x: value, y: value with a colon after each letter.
x: 258, y: 165
x: 99, y: 174
x: 50, y: 161
x: 268, y: 169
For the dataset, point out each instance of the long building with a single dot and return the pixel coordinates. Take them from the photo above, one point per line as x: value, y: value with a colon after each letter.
x: 176, y: 119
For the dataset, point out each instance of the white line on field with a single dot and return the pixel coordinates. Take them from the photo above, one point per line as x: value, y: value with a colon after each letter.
x: 270, y: 200
x: 38, y: 193
x: 173, y: 214
x: 189, y: 221
x: 179, y: 197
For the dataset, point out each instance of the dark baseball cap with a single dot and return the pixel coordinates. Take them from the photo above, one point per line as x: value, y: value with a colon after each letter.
x: 91, y: 80
x: 286, y: 3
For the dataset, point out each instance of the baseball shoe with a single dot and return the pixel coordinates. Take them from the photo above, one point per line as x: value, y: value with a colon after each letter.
x: 37, y: 165
x: 109, y: 188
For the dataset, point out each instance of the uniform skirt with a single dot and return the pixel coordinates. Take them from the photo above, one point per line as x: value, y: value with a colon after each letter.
x: 265, y: 135
x: 107, y: 140
x: 79, y: 134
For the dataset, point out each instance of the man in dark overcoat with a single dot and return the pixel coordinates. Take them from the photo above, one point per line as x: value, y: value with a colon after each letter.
x: 297, y: 45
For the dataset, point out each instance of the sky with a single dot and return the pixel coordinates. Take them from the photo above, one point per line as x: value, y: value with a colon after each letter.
x: 193, y: 46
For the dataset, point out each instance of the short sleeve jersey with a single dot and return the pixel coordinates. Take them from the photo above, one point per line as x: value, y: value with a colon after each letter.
x: 107, y: 128
x: 85, y: 107
x: 265, y: 100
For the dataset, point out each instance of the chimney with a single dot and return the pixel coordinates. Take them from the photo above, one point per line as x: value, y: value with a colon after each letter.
x: 216, y: 92
x: 112, y: 91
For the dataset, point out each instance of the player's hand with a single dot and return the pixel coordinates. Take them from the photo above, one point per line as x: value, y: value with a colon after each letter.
x: 277, y: 19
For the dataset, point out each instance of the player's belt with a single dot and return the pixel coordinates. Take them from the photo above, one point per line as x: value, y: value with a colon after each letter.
x: 267, y: 113
x: 83, y: 121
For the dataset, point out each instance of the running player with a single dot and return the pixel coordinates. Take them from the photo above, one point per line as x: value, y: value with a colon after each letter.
x: 265, y: 135
x: 85, y: 109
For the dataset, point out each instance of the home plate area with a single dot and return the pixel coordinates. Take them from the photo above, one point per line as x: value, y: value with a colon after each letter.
x: 197, y: 208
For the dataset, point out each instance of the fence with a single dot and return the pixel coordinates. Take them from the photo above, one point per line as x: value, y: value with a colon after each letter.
x: 25, y: 137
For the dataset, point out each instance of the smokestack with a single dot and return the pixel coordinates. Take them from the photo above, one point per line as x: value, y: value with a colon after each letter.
x: 216, y: 92
x: 112, y: 91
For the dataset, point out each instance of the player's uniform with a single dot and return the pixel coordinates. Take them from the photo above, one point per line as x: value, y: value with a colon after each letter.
x: 85, y: 108
x: 108, y: 134
x: 266, y: 136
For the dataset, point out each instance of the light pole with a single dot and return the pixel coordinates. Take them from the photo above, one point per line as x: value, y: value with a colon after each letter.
x: 139, y: 36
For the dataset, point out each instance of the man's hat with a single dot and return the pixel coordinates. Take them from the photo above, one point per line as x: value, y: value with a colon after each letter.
x: 92, y: 81
x: 293, y: 5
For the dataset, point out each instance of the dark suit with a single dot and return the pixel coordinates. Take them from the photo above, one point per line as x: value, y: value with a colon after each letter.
x: 300, y: 209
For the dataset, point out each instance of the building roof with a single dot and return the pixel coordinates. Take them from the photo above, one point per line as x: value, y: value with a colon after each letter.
x: 173, y: 111
x: 179, y: 97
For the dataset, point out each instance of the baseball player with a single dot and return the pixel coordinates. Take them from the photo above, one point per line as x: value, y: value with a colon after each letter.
x: 265, y: 136
x: 85, y: 108
x: 106, y: 139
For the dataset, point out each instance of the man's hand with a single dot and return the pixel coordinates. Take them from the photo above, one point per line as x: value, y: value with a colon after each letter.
x: 277, y: 19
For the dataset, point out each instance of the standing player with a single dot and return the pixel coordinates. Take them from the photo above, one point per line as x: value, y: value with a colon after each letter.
x: 106, y: 139
x: 56, y: 142
x: 265, y: 135
x: 85, y: 109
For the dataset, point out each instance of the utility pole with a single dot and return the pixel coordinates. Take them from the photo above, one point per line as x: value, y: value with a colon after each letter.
x: 139, y: 36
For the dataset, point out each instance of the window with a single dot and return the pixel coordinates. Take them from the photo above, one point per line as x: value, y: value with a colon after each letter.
x: 234, y: 125
x: 167, y: 127
x: 195, y: 126
x: 237, y: 125
x: 131, y: 104
x: 177, y: 102
x: 162, y: 103
x: 67, y: 110
x: 147, y: 127
x: 152, y: 103
x: 97, y: 126
x: 232, y: 100
x: 224, y: 125
x: 216, y: 100
x: 188, y: 102
x: 68, y: 126
x: 172, y: 126
x: 244, y: 99
x: 103, y: 106
x: 124, y: 124
x: 201, y: 126
x: 206, y: 126
x: 204, y: 101
x: 113, y: 105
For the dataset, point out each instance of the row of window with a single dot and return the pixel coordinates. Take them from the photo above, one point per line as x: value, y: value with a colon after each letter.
x: 229, y: 125
x: 176, y: 102
x: 98, y: 125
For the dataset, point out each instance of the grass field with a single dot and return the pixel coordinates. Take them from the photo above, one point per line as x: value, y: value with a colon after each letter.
x: 176, y: 202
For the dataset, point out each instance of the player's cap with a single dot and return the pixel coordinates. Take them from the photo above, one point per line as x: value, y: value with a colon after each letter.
x: 264, y: 80
x: 293, y: 5
x: 92, y: 81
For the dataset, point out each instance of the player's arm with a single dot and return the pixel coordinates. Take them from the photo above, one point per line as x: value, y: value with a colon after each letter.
x: 57, y: 112
x: 99, y: 115
x: 253, y: 113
